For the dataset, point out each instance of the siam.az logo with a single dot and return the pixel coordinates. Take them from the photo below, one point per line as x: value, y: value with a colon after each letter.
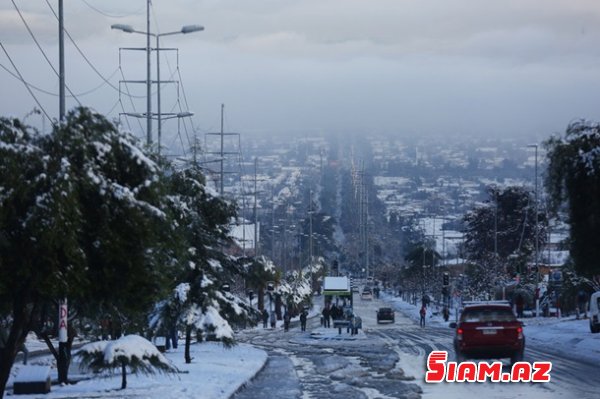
x: 439, y: 370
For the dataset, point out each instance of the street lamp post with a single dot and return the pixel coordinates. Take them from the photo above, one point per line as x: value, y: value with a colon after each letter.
x: 129, y: 29
x: 537, y: 267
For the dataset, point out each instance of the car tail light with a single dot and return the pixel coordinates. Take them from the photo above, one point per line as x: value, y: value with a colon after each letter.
x: 459, y: 334
x: 520, y: 332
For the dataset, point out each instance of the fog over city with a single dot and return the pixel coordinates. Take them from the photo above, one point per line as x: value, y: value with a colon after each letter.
x: 460, y: 67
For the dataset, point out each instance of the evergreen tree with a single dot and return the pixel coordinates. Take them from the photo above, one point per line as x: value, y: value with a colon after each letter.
x: 259, y: 272
x: 500, y: 236
x: 574, y: 180
x: 78, y: 214
x: 201, y: 300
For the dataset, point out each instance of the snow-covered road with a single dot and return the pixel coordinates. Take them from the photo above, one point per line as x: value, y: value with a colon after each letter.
x: 388, y: 361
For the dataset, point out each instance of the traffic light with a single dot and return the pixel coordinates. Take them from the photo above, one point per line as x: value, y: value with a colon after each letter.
x: 446, y: 279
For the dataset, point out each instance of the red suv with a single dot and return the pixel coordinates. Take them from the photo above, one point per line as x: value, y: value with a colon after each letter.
x: 488, y: 330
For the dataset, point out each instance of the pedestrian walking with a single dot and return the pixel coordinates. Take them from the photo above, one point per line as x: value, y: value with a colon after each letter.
x: 265, y: 318
x: 273, y: 319
x: 422, y: 313
x: 333, y: 312
x: 303, y: 317
x: 286, y: 321
x: 25, y: 351
x: 326, y: 316
x: 581, y: 302
x: 520, y: 304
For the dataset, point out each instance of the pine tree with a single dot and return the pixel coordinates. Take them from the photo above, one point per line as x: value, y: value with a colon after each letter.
x: 130, y: 351
x: 201, y: 301
x: 574, y: 180
x: 78, y: 214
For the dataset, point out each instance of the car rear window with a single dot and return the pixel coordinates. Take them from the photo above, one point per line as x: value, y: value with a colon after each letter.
x: 483, y: 315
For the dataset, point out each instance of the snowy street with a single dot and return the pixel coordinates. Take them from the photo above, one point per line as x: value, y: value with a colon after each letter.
x: 383, y: 362
x: 328, y: 365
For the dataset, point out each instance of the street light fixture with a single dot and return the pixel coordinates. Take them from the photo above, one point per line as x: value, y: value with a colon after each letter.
x: 184, y: 30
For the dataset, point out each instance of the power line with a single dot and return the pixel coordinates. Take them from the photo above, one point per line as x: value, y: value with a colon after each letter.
x: 106, y: 81
x: 82, y: 94
x: 138, y: 12
x: 40, y: 48
x: 125, y: 114
x: 113, y: 108
x: 129, y: 96
x: 180, y: 84
x: 14, y: 75
x: 25, y: 83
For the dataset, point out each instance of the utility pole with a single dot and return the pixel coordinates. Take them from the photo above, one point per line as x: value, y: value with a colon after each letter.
x: 61, y: 56
x: 148, y: 79
x: 63, y: 336
x: 367, y: 230
x: 310, y: 239
x: 272, y: 224
x: 537, y: 230
x: 256, y: 248
x: 222, y: 154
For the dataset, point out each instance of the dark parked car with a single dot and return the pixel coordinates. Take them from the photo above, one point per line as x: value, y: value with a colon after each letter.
x: 385, y: 314
x: 488, y: 330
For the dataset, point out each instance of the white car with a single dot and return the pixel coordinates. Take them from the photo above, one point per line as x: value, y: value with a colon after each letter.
x: 366, y: 294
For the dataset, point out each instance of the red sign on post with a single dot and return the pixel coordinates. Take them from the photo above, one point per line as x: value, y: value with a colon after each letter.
x: 62, y: 321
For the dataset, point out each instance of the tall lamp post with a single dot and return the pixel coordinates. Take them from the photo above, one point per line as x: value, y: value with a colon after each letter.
x: 129, y: 29
x: 537, y: 232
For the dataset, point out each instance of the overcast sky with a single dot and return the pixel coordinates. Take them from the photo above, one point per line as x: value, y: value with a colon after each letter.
x: 493, y: 68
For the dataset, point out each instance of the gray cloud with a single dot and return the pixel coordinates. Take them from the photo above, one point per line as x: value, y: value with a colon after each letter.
x: 406, y: 66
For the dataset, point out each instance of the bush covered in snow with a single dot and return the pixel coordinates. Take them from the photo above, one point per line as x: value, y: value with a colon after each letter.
x: 130, y: 351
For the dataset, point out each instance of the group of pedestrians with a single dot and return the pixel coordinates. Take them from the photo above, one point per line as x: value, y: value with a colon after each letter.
x: 272, y: 319
x: 332, y: 312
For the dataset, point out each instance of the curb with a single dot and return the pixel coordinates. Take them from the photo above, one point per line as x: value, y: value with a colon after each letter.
x: 249, y: 380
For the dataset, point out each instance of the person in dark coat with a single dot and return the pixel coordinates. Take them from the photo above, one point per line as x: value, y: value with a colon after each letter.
x: 286, y: 320
x: 273, y: 319
x: 303, y: 317
x: 422, y: 313
x: 265, y: 318
x: 581, y: 302
x: 520, y: 304
x: 326, y: 317
x: 334, y: 312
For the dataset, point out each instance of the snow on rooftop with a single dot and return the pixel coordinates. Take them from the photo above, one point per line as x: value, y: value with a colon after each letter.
x: 33, y: 373
x: 336, y: 283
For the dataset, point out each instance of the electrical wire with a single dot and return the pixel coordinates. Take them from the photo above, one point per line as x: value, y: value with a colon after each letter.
x: 113, y: 108
x: 25, y: 83
x: 138, y: 12
x: 129, y: 96
x: 125, y: 114
x: 14, y: 75
x: 106, y: 81
x: 180, y: 83
x: 41, y: 49
x: 82, y: 94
